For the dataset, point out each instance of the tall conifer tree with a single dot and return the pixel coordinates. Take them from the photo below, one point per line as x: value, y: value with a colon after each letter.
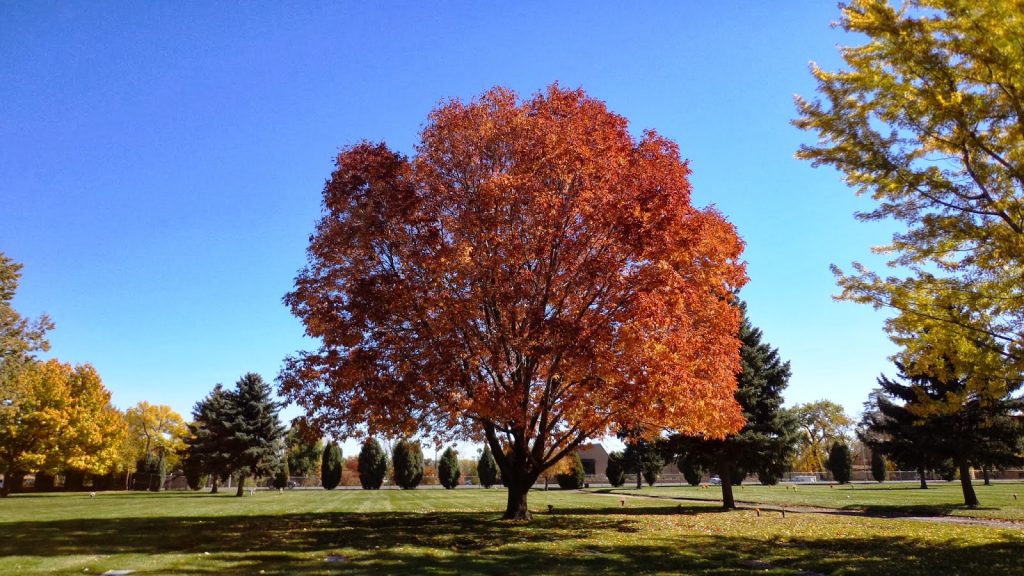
x: 767, y: 441
x: 255, y: 434
x: 373, y: 465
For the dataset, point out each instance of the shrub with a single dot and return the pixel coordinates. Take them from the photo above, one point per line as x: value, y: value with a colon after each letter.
x: 575, y: 477
x: 840, y: 463
x: 487, y: 469
x: 373, y: 465
x: 616, y: 471
x: 193, y: 474
x: 282, y: 475
x: 877, y: 466
x: 330, y: 466
x: 407, y: 464
x: 651, y: 468
x: 448, y: 469
x: 946, y: 470
x: 692, y: 471
x: 738, y: 475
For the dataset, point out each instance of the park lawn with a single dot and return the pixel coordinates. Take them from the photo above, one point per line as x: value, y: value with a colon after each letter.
x: 940, y: 499
x: 458, y: 532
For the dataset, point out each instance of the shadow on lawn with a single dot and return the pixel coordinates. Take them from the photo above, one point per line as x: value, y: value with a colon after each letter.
x: 589, y: 541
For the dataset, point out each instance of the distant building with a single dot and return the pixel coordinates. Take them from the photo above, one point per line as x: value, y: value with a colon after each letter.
x: 594, y: 458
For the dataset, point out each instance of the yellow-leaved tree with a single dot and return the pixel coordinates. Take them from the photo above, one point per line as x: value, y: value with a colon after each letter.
x: 58, y: 417
x: 928, y: 118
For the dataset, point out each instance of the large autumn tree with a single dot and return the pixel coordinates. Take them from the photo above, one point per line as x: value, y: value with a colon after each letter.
x: 927, y: 118
x: 533, y: 272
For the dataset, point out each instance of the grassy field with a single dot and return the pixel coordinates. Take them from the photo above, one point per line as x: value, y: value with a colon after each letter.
x: 940, y: 499
x: 458, y: 532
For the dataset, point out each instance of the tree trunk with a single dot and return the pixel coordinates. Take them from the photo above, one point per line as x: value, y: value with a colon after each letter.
x: 920, y: 474
x: 725, y: 474
x: 970, y: 498
x: 986, y: 473
x: 241, y: 484
x: 214, y: 489
x: 516, y: 508
x: 74, y: 481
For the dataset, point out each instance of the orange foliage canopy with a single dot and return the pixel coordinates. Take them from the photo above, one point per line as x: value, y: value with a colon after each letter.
x: 533, y: 272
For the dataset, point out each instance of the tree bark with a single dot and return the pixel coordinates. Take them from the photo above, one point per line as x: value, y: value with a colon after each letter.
x: 725, y: 474
x: 920, y: 474
x: 516, y: 508
x: 970, y: 498
x: 241, y: 484
x: 214, y: 489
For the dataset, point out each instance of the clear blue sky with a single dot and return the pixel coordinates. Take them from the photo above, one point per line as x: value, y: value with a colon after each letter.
x: 161, y: 163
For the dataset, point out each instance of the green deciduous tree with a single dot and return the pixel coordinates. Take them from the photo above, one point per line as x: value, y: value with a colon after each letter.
x: 926, y: 118
x: 448, y: 469
x: 303, y: 453
x: 373, y: 465
x: 330, y: 466
x: 840, y: 462
x: 407, y: 464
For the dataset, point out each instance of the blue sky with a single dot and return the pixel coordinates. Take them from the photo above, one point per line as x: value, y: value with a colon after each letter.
x: 161, y: 163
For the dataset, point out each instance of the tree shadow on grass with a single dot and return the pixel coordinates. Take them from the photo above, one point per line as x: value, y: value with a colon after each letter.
x: 571, y: 541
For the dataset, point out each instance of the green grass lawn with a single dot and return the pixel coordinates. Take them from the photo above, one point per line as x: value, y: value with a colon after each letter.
x: 458, y: 532
x: 941, y: 498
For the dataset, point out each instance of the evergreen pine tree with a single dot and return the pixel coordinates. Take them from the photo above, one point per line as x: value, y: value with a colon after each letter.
x: 330, y: 466
x: 373, y: 465
x: 407, y: 464
x: 889, y: 427
x: 644, y: 459
x: 206, y: 446
x: 487, y: 468
x: 448, y: 469
x: 255, y: 434
x: 767, y: 441
x: 616, y: 469
x: 840, y: 463
x: 943, y: 426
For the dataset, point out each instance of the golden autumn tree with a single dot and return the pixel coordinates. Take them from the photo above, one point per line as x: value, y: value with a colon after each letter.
x: 156, y: 431
x: 533, y: 273
x: 59, y: 418
x: 928, y: 118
